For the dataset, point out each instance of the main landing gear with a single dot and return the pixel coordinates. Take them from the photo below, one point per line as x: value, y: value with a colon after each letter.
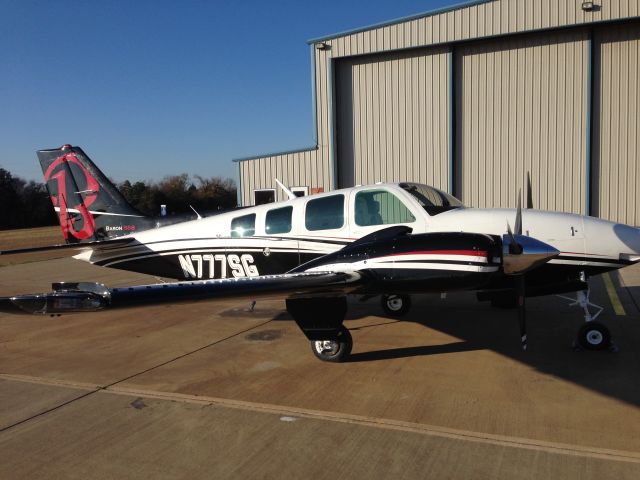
x: 395, y: 305
x: 592, y: 335
x: 320, y: 319
x: 336, y: 350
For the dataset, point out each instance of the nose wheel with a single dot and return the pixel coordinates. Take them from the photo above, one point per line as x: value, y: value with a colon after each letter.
x: 395, y: 305
x: 594, y: 336
x: 335, y: 350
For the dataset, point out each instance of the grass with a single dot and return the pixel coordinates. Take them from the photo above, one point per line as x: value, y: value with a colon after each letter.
x: 30, y: 237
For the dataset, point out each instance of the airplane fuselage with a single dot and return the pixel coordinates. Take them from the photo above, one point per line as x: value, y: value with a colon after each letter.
x: 278, y: 237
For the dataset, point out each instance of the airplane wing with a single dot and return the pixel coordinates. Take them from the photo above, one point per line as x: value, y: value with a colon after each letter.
x: 86, y: 297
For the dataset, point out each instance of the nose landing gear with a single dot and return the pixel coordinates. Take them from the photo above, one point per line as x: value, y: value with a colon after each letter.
x: 592, y: 335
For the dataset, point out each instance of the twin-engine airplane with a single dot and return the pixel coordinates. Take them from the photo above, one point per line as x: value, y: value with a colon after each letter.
x: 389, y: 239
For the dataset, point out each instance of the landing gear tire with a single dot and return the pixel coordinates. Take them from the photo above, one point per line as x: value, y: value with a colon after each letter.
x: 594, y: 336
x: 396, y: 305
x: 334, y: 350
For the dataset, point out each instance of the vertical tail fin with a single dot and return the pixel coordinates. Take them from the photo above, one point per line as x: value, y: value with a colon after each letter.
x: 88, y: 205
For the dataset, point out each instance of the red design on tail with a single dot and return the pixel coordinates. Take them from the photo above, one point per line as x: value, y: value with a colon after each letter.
x: 68, y: 223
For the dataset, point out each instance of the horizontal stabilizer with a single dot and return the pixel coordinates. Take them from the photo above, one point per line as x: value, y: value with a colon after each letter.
x: 72, y: 247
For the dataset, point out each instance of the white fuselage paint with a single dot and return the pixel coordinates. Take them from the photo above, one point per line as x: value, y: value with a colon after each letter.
x: 206, y: 244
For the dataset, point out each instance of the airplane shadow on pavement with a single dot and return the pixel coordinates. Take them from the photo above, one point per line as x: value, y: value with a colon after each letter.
x: 552, y: 327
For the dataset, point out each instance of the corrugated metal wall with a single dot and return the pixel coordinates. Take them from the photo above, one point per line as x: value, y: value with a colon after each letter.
x: 299, y: 169
x: 493, y: 18
x: 616, y: 155
x: 544, y: 88
x: 392, y: 118
x: 522, y: 107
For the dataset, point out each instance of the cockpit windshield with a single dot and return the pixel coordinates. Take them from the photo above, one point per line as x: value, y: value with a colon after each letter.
x: 434, y: 201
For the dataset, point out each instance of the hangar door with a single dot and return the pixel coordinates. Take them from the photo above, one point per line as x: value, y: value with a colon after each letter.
x: 521, y: 106
x: 616, y: 149
x: 392, y: 118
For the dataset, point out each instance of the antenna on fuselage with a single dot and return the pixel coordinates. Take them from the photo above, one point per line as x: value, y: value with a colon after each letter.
x: 289, y: 193
x: 195, y: 211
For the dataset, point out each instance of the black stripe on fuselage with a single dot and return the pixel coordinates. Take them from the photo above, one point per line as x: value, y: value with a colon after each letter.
x: 177, y: 265
x: 213, y: 248
x: 233, y: 239
x: 192, y: 250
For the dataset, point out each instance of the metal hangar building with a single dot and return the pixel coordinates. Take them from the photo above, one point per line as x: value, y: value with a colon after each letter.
x: 469, y: 99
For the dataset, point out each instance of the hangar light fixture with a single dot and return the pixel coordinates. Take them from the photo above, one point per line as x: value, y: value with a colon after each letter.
x: 321, y: 46
x: 588, y: 6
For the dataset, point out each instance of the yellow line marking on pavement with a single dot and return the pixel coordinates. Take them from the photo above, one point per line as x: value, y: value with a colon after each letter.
x: 556, y: 448
x: 613, y: 295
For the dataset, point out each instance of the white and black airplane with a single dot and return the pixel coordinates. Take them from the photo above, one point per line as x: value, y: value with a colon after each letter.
x: 388, y: 239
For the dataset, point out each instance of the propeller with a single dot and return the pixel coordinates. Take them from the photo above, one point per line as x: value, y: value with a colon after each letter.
x: 518, y: 225
x: 522, y: 254
x: 516, y: 248
x: 522, y: 311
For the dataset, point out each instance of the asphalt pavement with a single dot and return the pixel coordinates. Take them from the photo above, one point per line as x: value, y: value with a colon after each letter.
x: 214, y: 390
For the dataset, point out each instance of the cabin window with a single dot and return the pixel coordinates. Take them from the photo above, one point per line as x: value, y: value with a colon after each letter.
x: 244, y: 226
x: 278, y: 220
x: 325, y: 213
x: 434, y: 201
x: 380, y: 207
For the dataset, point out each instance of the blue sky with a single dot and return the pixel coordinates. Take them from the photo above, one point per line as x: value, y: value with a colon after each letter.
x: 154, y: 88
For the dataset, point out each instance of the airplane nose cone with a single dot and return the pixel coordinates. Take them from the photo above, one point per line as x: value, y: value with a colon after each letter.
x: 629, y: 236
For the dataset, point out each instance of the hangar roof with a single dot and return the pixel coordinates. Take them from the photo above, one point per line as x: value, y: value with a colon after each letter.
x: 429, y: 13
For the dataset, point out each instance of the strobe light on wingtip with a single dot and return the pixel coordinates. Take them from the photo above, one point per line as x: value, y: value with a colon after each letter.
x: 532, y: 253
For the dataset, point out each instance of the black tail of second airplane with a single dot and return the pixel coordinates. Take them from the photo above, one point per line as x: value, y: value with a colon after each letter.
x: 88, y: 205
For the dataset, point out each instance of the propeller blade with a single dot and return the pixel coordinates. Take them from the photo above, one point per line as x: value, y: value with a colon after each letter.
x: 518, y: 224
x: 514, y: 247
x: 522, y: 313
x: 529, y: 193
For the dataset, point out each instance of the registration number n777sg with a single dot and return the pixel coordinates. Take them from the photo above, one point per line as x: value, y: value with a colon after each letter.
x: 218, y: 265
